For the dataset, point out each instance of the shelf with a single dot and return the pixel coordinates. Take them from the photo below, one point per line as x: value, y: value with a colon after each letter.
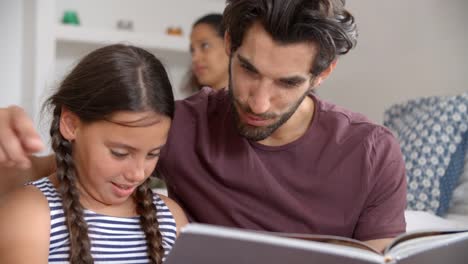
x: 77, y: 34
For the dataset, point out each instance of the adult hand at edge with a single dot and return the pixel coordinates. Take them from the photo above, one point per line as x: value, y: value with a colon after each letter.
x: 18, y: 138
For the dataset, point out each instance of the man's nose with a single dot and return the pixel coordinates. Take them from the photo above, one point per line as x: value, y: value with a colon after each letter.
x: 259, y: 97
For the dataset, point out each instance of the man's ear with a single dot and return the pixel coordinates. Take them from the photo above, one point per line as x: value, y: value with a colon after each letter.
x: 227, y: 43
x: 324, y: 75
x: 69, y: 123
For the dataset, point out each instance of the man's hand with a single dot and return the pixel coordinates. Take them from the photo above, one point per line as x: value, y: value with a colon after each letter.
x: 18, y: 138
x: 379, y: 244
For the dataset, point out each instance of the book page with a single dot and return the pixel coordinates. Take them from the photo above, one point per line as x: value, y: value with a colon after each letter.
x: 336, y: 240
x: 415, y: 245
x: 419, y: 234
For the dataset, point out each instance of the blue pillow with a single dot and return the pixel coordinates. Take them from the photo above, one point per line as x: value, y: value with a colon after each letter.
x: 432, y: 132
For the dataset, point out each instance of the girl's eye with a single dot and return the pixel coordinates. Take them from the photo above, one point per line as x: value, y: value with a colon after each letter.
x: 118, y: 154
x: 152, y: 155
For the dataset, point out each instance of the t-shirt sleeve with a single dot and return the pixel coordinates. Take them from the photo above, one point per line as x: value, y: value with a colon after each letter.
x: 383, y: 213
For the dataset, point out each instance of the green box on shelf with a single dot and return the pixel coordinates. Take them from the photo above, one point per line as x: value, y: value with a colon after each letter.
x: 70, y: 17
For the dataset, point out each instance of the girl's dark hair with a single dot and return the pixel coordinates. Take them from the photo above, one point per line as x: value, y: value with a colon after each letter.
x: 324, y: 22
x: 109, y: 79
x: 214, y: 20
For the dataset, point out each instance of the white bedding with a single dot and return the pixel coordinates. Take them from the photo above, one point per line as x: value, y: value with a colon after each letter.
x: 457, y: 216
x: 418, y: 220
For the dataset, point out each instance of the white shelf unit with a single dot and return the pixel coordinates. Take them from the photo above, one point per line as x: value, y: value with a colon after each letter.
x: 82, y: 35
x: 72, y: 42
x: 53, y: 47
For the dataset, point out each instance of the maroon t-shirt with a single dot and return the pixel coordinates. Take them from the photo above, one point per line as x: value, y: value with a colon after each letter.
x: 345, y: 176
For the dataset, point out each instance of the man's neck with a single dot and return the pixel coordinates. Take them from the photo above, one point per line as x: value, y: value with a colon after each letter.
x: 295, y: 127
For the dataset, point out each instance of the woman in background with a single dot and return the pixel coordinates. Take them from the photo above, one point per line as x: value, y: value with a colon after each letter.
x: 210, y: 63
x: 111, y: 117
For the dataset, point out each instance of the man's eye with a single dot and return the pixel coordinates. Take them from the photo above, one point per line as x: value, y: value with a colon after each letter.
x: 289, y: 84
x: 247, y: 68
x: 119, y: 154
x: 205, y: 45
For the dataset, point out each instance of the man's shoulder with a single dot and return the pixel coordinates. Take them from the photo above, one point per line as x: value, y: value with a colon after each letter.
x: 205, y: 99
x: 200, y: 108
x: 348, y: 122
x: 332, y: 111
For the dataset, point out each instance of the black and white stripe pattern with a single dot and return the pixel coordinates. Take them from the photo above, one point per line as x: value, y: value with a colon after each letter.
x: 113, y: 239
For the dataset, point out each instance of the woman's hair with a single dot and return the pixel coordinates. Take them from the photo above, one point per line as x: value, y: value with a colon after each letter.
x: 324, y: 22
x: 110, y: 79
x: 215, y: 21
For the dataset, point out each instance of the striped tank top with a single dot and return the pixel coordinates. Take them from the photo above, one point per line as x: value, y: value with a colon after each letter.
x: 113, y: 239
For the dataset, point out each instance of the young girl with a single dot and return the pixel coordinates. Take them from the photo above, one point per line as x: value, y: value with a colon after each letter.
x: 210, y: 62
x: 111, y: 117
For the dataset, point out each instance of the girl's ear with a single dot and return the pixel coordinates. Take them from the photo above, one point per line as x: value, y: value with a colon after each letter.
x: 69, y: 123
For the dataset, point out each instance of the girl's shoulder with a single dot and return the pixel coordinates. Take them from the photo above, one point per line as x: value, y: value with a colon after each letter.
x: 176, y: 211
x: 29, y: 198
x: 24, y: 223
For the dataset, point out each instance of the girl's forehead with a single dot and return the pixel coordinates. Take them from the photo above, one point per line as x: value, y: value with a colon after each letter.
x: 129, y: 118
x: 140, y: 131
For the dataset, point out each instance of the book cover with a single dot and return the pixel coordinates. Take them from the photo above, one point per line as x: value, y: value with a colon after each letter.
x: 207, y: 244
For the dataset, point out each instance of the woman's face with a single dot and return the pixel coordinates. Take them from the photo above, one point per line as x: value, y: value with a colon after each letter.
x: 209, y: 59
x: 114, y: 157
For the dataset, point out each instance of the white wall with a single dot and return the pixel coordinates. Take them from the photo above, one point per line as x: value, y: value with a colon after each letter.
x: 10, y: 52
x: 406, y: 49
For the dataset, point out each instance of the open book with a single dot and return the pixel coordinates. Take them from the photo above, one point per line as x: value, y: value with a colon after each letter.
x: 207, y: 244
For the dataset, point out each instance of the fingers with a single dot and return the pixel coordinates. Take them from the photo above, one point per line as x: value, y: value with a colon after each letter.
x: 3, y: 159
x: 18, y: 138
x: 23, y: 126
x: 13, y: 151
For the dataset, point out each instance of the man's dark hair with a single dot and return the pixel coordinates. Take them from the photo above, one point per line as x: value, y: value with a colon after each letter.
x: 324, y: 22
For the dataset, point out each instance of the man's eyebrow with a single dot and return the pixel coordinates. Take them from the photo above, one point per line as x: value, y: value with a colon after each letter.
x: 294, y: 80
x: 246, y: 63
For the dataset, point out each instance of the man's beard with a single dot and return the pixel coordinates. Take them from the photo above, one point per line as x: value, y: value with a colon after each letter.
x: 255, y: 133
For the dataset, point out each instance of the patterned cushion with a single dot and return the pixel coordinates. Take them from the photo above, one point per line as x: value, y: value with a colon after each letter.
x: 459, y: 202
x: 432, y: 132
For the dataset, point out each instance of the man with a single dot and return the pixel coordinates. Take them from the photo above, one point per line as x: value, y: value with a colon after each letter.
x: 266, y: 153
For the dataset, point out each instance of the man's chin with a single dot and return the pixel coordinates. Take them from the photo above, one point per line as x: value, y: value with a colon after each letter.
x: 254, y: 133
